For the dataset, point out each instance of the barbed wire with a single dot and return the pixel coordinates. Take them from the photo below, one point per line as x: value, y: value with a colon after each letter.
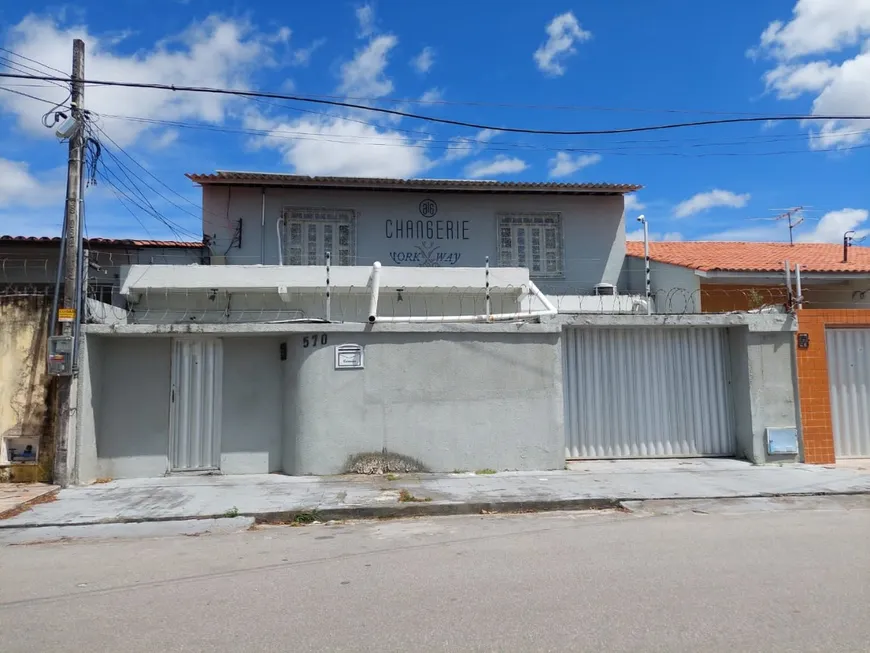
x: 24, y: 277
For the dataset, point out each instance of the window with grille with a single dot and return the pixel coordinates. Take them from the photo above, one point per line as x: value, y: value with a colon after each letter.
x: 310, y: 233
x: 533, y: 241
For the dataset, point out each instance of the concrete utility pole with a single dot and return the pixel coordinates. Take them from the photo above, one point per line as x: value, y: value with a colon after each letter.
x: 72, y: 260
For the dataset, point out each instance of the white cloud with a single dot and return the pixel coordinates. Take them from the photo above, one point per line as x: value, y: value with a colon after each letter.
x: 423, y: 61
x: 20, y: 188
x: 363, y: 76
x: 563, y: 164
x: 752, y: 234
x: 637, y: 234
x: 365, y: 14
x: 334, y: 145
x: 433, y: 95
x: 562, y: 32
x: 818, y: 26
x: 829, y: 229
x: 632, y: 203
x: 213, y: 52
x: 814, y: 53
x: 302, y: 56
x: 791, y: 81
x: 833, y: 225
x: 709, y: 200
x: 500, y: 165
x: 460, y: 147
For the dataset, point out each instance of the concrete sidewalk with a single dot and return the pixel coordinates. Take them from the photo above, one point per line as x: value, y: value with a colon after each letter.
x: 17, y: 497
x: 275, y: 497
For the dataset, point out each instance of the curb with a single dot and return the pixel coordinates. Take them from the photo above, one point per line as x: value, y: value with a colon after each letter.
x: 305, y: 515
x: 27, y: 505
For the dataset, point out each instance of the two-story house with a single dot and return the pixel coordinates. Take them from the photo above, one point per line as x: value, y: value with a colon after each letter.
x: 455, y: 324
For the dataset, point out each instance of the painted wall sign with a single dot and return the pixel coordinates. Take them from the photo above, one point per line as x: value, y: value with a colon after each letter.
x: 428, y: 208
x: 427, y: 229
x: 427, y: 254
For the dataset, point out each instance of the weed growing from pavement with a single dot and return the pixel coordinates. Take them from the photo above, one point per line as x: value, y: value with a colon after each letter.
x: 391, y: 477
x: 304, y: 518
x: 485, y: 471
x: 407, y: 497
x: 232, y: 512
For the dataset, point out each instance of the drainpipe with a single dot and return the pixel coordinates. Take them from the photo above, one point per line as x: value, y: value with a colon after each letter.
x: 263, y: 229
x: 375, y: 280
x: 799, y: 300
x: 280, y: 241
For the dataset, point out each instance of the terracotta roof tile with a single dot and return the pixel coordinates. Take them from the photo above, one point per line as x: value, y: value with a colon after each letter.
x: 110, y: 242
x: 723, y: 256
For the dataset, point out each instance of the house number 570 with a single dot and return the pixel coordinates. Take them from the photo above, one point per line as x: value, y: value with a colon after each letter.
x: 314, y: 341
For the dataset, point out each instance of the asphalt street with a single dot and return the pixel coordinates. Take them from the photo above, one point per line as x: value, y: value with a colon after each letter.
x: 751, y: 575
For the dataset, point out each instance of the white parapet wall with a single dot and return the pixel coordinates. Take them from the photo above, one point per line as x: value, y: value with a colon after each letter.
x: 257, y: 293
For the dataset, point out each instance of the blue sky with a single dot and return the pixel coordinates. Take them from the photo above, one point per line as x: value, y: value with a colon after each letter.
x: 551, y: 64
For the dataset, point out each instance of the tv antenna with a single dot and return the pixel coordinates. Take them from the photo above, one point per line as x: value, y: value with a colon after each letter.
x: 794, y: 217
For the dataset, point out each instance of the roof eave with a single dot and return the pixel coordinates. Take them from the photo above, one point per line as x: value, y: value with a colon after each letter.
x: 410, y: 186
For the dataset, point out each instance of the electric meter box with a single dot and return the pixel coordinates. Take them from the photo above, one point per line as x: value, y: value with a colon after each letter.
x: 60, y: 355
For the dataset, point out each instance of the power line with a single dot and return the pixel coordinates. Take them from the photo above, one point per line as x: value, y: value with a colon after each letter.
x: 33, y: 97
x: 488, y: 146
x: 38, y: 63
x: 494, y: 146
x: 477, y: 103
x: 445, y: 121
x: 24, y: 68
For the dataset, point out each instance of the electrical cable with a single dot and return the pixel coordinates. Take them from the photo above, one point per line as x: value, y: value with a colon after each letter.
x: 445, y: 121
x: 38, y: 63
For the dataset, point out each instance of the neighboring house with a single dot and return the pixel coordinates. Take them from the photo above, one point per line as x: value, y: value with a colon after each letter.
x: 453, y: 352
x: 833, y: 321
x: 28, y: 270
x: 29, y: 263
x: 715, y: 277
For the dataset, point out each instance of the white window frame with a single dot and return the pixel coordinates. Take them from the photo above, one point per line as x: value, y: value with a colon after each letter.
x: 518, y: 233
x: 324, y: 224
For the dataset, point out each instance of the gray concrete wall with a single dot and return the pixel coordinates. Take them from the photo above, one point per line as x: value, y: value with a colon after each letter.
x: 675, y: 289
x: 593, y: 227
x: 461, y: 398
x: 253, y: 400
x: 452, y: 400
x: 132, y: 426
x: 763, y: 388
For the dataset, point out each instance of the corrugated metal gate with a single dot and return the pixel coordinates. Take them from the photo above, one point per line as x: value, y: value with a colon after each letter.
x: 195, y: 404
x: 647, y: 392
x: 849, y: 380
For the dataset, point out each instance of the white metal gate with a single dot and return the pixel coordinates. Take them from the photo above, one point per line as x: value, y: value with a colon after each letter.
x: 647, y: 392
x: 195, y: 404
x: 849, y: 381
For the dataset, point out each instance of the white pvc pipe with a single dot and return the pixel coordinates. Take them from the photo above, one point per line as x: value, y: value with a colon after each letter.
x: 263, y: 229
x: 797, y: 277
x: 549, y: 311
x: 280, y: 242
x: 375, y: 281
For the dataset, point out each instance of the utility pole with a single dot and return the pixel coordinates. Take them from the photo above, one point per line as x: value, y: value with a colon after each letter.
x: 72, y: 259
